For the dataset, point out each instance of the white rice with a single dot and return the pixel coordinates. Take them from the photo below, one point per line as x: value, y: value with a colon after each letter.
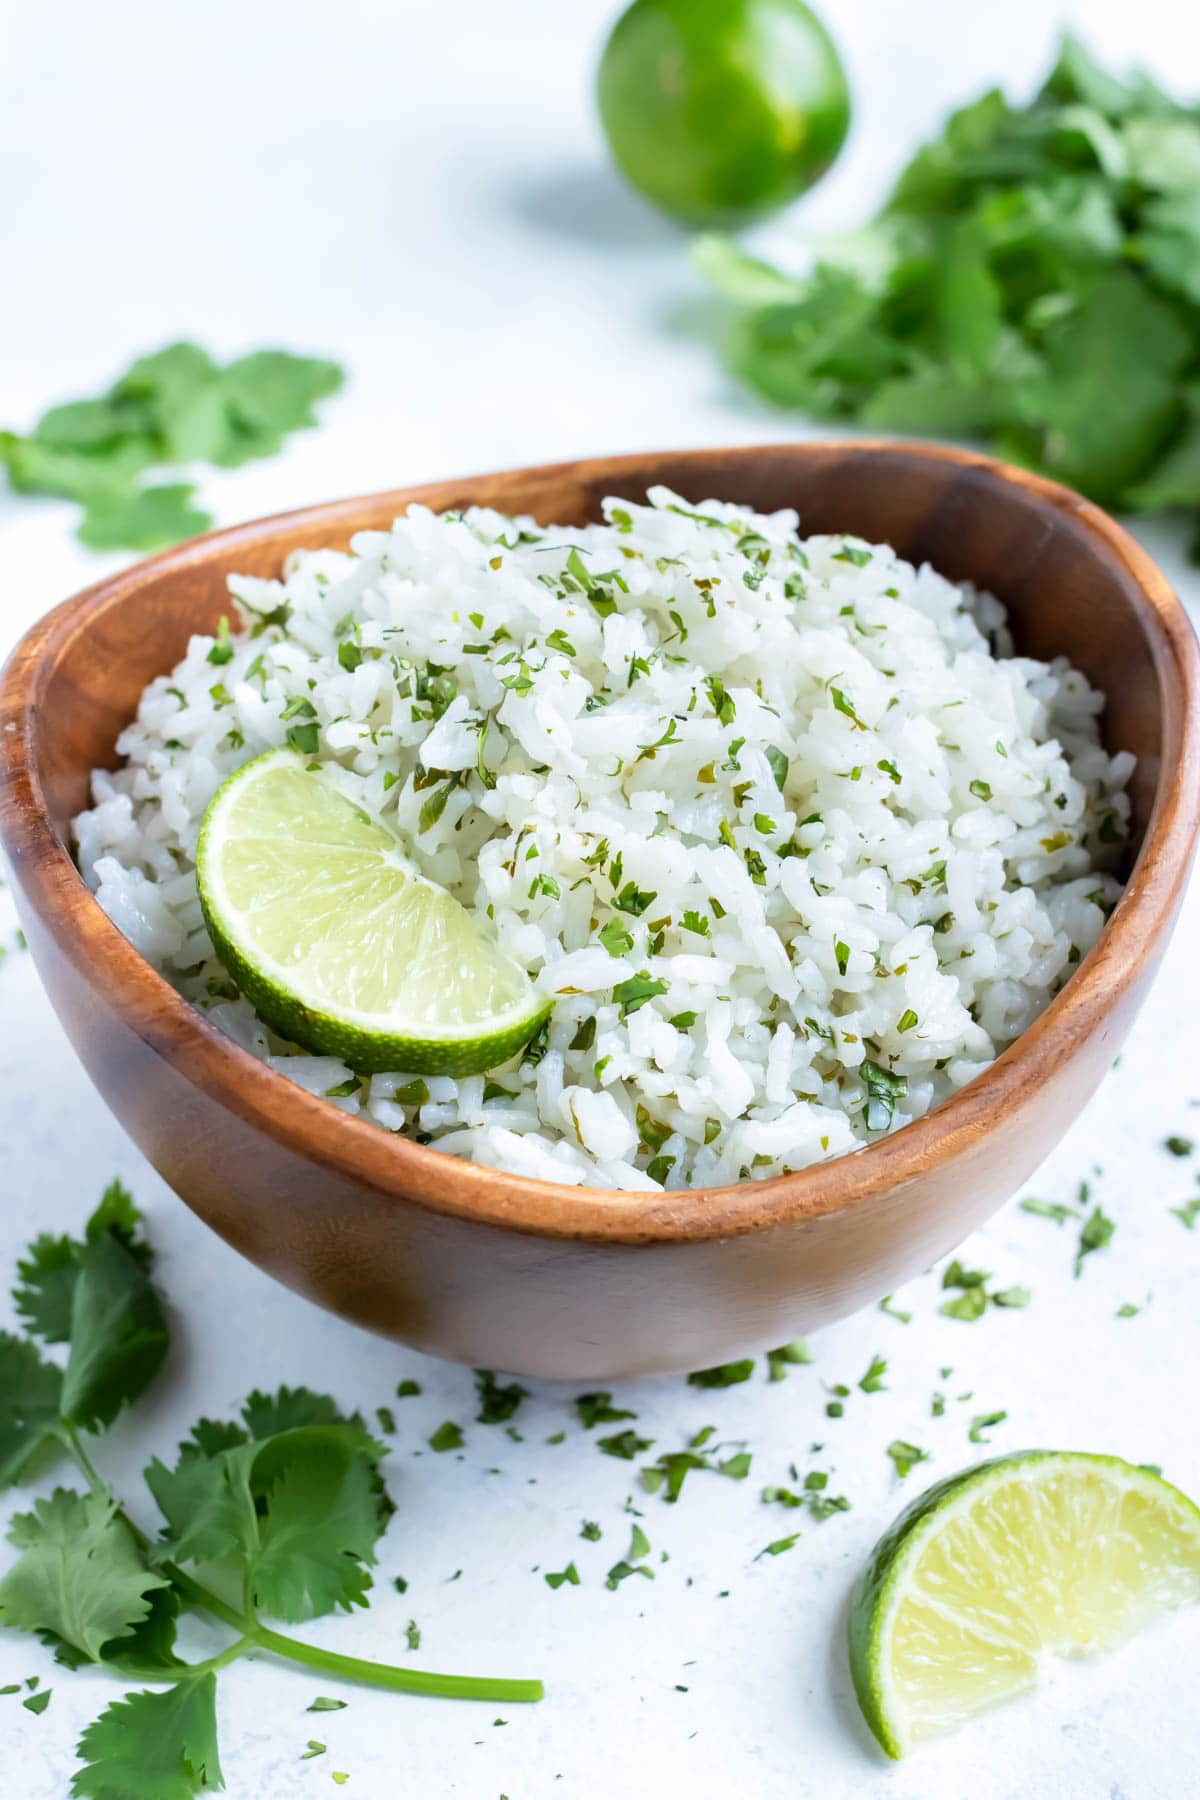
x: 798, y: 784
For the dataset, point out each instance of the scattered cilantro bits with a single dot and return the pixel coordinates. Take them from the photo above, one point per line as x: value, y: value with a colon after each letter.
x: 970, y: 1300
x: 174, y: 407
x: 905, y: 1456
x: 1096, y: 1233
x: 724, y: 1375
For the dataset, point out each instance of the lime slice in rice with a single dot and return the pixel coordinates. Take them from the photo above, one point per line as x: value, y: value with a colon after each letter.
x: 337, y: 941
x: 1040, y: 1553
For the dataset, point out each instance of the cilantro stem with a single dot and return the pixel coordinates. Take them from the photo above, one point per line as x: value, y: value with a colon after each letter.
x: 402, y: 1681
x: 257, y: 1636
x: 188, y: 1671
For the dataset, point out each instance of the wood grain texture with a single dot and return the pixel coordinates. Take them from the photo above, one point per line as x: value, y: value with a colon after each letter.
x: 523, y: 1275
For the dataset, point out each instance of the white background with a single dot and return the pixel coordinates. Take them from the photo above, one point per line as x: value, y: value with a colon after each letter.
x: 419, y: 190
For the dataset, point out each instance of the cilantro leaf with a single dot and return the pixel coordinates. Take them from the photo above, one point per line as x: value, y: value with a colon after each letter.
x: 143, y: 518
x: 116, y: 1213
x: 318, y: 1523
x: 79, y: 1575
x: 206, y: 1503
x: 153, y: 1746
x: 50, y: 1267
x: 270, y: 393
x: 301, y: 1510
x: 267, y: 1415
x: 30, y: 1397
x: 47, y: 1273
x: 119, y: 1334
x: 150, y: 1644
x: 1100, y: 413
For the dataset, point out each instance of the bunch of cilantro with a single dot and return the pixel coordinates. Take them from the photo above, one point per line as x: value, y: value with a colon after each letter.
x: 174, y: 408
x: 281, y: 1511
x: 1034, y: 280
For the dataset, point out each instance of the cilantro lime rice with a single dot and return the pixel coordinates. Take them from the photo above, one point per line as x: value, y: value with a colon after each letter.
x: 791, y: 840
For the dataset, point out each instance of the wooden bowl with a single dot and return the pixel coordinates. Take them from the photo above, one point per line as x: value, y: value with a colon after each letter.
x: 528, y: 1276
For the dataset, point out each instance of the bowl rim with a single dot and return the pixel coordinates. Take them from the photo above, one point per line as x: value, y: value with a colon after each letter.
x: 414, y: 1174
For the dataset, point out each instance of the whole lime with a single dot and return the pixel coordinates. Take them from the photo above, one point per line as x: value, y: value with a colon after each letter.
x: 721, y: 110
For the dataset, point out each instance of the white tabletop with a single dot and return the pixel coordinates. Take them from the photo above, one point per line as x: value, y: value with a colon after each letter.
x: 419, y: 190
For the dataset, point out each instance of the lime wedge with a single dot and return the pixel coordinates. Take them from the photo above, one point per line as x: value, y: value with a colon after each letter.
x: 1040, y: 1553
x: 339, y: 943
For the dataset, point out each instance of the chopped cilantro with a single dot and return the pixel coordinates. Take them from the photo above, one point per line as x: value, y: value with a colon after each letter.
x: 632, y: 899
x: 786, y: 1356
x: 598, y: 1409
x: 724, y: 1375
x: 569, y: 1575
x: 905, y: 1456
x: 616, y: 938
x: 983, y: 1422
x: 448, y: 1436
x: 633, y: 994
x: 1050, y: 1209
x: 624, y: 1444
x: 1096, y: 1233
x: 778, y: 764
x: 842, y: 705
x: 621, y: 1571
x: 497, y: 1403
x: 1011, y: 1297
x: 969, y: 1305
x: 779, y: 1545
x: 884, y: 1090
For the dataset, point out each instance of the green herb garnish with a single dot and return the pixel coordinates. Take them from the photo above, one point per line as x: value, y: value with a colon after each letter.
x: 175, y: 407
x: 724, y: 1375
x: 905, y: 1456
x: 1033, y: 280
x: 288, y: 1498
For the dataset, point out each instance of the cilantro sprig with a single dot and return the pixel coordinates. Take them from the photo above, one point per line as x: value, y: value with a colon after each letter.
x: 174, y: 408
x: 1033, y: 280
x: 286, y: 1504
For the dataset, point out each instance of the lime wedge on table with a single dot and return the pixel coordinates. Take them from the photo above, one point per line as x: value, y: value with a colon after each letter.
x: 337, y: 941
x: 1041, y: 1553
